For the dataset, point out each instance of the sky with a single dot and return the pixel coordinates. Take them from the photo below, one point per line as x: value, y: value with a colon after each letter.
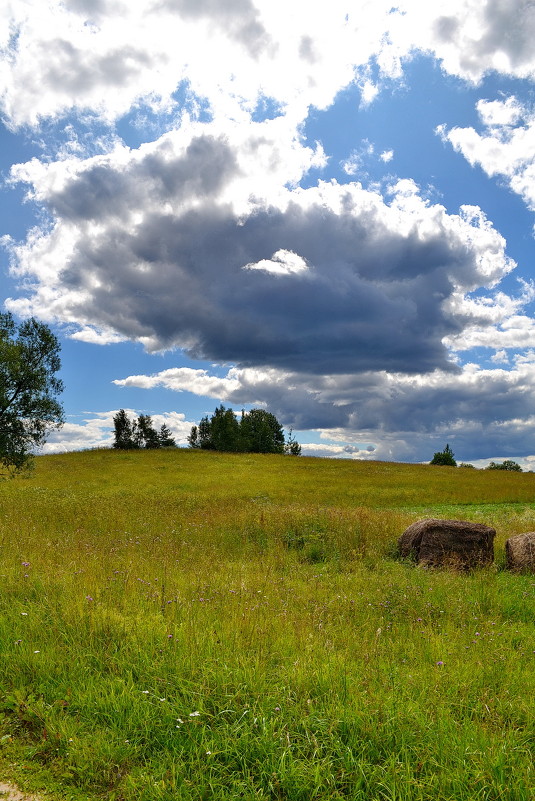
x: 321, y: 209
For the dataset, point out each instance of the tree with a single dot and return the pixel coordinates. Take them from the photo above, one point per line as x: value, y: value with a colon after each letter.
x: 445, y: 458
x: 146, y: 434
x: 508, y: 464
x: 125, y: 438
x: 225, y: 434
x: 261, y: 432
x: 165, y: 440
x: 29, y: 409
x: 201, y: 436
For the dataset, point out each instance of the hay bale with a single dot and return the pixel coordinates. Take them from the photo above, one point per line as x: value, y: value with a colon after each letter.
x: 456, y: 544
x: 520, y: 553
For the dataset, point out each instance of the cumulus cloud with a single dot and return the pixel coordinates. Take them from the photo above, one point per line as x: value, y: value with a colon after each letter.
x: 505, y: 148
x: 106, y: 57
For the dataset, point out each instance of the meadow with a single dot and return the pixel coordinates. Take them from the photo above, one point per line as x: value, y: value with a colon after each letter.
x: 194, y: 625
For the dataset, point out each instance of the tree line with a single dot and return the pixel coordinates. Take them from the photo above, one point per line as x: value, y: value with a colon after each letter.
x: 257, y: 431
x: 139, y: 433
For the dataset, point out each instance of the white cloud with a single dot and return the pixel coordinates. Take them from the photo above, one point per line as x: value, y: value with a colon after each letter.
x: 506, y: 148
x: 106, y: 58
x: 500, y: 357
x: 283, y: 262
x: 96, y: 336
x: 182, y: 379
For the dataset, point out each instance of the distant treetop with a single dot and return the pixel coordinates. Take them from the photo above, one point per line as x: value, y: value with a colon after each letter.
x: 445, y: 458
x: 508, y: 464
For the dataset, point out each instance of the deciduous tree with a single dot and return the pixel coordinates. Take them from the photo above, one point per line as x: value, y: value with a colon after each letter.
x: 508, y: 464
x: 29, y: 409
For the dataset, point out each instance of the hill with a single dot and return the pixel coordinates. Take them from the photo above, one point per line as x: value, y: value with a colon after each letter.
x: 197, y: 625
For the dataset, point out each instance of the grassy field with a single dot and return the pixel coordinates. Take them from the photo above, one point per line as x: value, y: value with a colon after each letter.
x: 193, y: 625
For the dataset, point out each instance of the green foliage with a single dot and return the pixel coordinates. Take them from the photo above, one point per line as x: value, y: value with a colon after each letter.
x: 258, y: 431
x: 261, y: 432
x: 508, y: 464
x: 444, y: 458
x: 139, y: 433
x: 29, y: 410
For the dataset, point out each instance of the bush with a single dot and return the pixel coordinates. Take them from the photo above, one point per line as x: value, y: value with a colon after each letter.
x: 508, y: 464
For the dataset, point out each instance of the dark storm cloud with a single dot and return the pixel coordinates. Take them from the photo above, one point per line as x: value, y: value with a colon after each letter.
x: 483, y: 415
x: 360, y: 305
x: 377, y: 401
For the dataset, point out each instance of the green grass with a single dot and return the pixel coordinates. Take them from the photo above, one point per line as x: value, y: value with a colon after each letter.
x: 192, y: 625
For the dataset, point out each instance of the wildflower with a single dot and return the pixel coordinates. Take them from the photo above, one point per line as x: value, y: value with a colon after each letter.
x: 24, y: 613
x: 194, y: 714
x: 440, y: 663
x: 145, y: 692
x: 37, y: 652
x: 88, y: 598
x: 25, y: 564
x: 208, y: 752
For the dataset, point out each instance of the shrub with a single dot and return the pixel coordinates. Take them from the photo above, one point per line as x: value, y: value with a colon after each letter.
x: 508, y: 464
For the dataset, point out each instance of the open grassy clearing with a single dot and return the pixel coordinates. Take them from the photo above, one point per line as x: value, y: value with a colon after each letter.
x: 184, y: 625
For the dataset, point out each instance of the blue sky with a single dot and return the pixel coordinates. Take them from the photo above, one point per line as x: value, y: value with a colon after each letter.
x: 327, y: 212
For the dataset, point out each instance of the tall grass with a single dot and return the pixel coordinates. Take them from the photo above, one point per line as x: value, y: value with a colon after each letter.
x: 182, y: 625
